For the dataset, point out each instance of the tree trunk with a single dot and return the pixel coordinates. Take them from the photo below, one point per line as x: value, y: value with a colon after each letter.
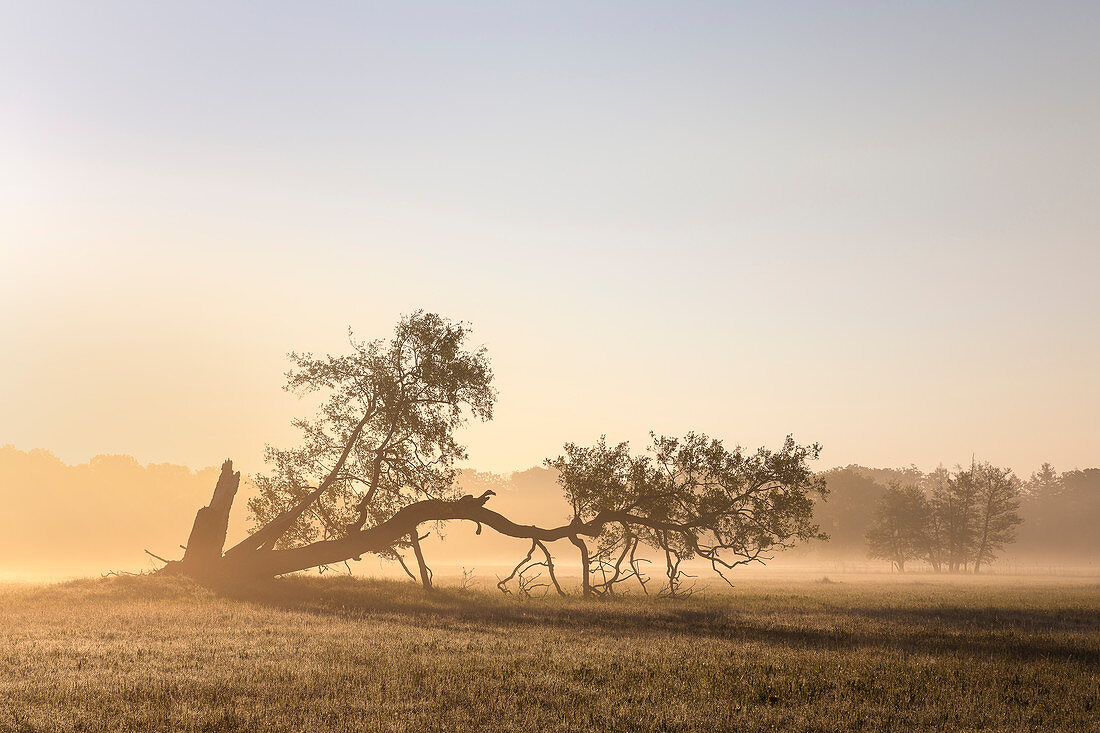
x: 250, y: 559
x: 204, y: 546
x: 586, y: 581
x: 425, y: 573
x: 984, y: 544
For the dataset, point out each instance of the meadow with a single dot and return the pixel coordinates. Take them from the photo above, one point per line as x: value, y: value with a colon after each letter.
x: 336, y: 653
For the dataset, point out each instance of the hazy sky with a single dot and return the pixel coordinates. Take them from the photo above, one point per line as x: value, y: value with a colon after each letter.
x: 875, y: 226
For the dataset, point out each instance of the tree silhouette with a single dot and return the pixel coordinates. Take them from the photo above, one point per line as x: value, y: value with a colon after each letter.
x: 383, y: 438
x: 900, y: 529
x: 969, y: 518
x: 998, y: 505
x: 377, y: 462
x: 687, y: 498
x: 955, y: 507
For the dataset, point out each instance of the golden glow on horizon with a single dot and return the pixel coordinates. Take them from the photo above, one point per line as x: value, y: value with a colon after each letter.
x: 731, y: 223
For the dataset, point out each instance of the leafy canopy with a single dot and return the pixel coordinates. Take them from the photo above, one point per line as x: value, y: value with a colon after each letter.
x: 384, y: 435
x: 692, y: 496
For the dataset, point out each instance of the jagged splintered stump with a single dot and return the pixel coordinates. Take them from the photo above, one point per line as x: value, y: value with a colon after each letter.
x: 207, y: 540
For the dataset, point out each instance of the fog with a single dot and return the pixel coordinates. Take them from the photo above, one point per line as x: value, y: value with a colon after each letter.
x: 88, y: 519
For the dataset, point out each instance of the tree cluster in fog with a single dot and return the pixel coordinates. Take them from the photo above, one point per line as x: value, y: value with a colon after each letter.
x: 952, y: 521
x: 963, y: 520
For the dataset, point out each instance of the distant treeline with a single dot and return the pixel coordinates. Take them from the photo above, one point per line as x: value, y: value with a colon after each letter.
x: 96, y: 516
x: 963, y: 519
x: 86, y: 519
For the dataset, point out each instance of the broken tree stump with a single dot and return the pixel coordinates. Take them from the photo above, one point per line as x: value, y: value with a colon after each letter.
x: 204, y: 546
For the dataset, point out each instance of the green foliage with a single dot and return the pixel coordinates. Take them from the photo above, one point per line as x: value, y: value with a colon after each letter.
x: 955, y: 509
x: 998, y: 515
x: 1062, y: 512
x: 954, y: 521
x: 384, y: 435
x: 853, y: 496
x: 693, y: 497
x: 1045, y: 482
x: 900, y: 529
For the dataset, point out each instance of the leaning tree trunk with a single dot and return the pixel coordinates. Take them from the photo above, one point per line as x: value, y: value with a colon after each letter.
x: 256, y: 557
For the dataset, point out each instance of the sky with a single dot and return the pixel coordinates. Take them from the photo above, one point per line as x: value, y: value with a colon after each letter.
x: 871, y: 225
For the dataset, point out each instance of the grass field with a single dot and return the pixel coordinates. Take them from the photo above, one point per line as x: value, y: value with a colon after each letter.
x: 310, y: 654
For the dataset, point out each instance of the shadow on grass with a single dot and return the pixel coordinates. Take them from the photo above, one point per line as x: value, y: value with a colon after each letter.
x: 993, y: 632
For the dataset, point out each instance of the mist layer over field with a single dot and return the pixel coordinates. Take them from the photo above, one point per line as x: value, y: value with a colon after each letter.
x: 100, y: 516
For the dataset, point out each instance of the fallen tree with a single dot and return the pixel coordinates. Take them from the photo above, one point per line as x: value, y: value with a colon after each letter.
x: 378, y: 463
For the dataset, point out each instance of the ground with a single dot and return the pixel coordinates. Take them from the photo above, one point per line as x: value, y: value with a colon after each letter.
x: 307, y: 653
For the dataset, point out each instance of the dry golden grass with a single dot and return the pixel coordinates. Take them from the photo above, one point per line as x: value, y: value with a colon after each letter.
x: 313, y: 654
